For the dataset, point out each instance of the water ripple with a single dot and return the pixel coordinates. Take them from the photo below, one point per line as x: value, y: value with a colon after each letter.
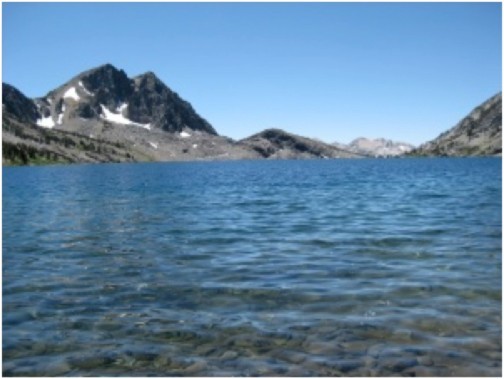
x: 288, y: 268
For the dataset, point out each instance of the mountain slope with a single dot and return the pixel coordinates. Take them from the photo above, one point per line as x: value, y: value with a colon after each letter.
x: 478, y: 134
x: 23, y: 142
x: 278, y: 144
x: 18, y: 105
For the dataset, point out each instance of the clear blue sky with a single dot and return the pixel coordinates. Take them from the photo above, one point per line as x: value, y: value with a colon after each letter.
x: 334, y: 71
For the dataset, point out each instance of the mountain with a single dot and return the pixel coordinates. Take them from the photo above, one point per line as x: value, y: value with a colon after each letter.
x: 278, y: 144
x: 478, y: 134
x: 102, y: 107
x: 379, y: 147
x: 106, y: 93
x: 26, y: 142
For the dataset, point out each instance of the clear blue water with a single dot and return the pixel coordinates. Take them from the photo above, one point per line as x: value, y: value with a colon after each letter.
x: 298, y: 268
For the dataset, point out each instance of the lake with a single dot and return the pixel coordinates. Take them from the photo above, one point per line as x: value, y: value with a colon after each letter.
x: 354, y: 267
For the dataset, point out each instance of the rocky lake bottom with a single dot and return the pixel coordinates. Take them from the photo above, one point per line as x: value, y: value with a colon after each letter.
x: 349, y: 267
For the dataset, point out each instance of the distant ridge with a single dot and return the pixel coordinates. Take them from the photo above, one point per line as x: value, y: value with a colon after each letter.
x: 379, y: 147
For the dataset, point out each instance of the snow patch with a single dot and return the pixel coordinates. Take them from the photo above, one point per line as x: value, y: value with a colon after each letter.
x: 154, y: 145
x: 60, y: 116
x: 46, y: 122
x: 85, y: 89
x: 184, y: 135
x: 118, y: 118
x: 71, y: 93
x: 195, y: 146
x: 49, y: 100
x: 121, y: 107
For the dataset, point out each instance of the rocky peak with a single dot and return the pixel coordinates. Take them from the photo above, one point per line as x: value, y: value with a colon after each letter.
x: 149, y: 84
x: 109, y: 85
x: 148, y: 77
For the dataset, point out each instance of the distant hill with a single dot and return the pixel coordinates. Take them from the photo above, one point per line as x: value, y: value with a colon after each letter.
x: 379, y: 147
x: 278, y: 144
x: 478, y: 134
